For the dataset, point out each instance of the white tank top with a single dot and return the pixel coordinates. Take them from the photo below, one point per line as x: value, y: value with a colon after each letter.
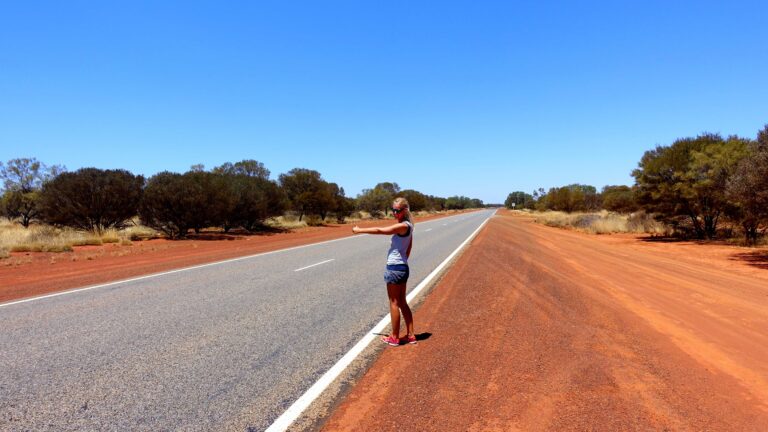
x: 398, y: 249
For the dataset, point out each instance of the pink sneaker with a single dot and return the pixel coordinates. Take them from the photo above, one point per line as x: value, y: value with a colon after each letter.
x: 389, y: 340
x: 411, y: 339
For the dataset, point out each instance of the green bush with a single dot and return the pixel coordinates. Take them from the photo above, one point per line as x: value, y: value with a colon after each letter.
x: 169, y: 204
x: 91, y: 199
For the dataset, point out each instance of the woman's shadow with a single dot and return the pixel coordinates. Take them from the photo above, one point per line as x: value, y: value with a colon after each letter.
x: 419, y: 336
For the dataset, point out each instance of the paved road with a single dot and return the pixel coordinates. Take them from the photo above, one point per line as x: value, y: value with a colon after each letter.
x: 222, y: 347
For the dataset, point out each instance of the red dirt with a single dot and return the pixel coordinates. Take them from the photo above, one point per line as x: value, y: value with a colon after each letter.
x: 538, y: 328
x: 28, y: 274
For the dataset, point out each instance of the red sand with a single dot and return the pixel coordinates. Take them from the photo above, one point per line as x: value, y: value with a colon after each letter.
x: 538, y: 328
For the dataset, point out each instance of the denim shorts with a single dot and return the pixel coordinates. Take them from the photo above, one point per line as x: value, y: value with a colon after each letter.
x: 396, y: 274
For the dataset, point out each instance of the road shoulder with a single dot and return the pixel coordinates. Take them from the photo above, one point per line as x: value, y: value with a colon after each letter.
x: 521, y: 339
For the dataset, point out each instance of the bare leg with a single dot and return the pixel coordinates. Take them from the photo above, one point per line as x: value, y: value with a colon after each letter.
x: 393, y: 291
x: 407, y: 316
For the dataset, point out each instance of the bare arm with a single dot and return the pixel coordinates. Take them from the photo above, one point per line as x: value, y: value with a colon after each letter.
x: 408, y: 252
x: 398, y: 228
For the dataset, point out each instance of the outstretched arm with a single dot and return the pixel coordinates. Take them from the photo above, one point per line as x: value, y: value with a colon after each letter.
x: 398, y: 228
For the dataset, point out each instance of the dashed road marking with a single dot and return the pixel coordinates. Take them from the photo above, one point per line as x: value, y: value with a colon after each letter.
x: 315, y: 264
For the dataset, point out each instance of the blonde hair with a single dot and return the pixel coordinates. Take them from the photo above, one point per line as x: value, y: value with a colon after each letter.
x: 403, y: 203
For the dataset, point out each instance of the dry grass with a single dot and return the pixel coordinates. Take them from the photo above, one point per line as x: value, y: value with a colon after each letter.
x: 604, y: 222
x: 45, y: 238
x: 287, y: 221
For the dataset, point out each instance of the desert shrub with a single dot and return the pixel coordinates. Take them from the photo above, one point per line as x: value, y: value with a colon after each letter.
x: 169, y: 203
x: 22, y: 179
x: 684, y: 183
x: 307, y: 193
x: 570, y: 198
x: 314, y: 220
x: 619, y: 199
x: 138, y: 232
x: 345, y: 208
x: 374, y: 201
x: 209, y: 196
x: 641, y: 222
x: 748, y: 188
x: 435, y: 203
x: 21, y: 206
x: 417, y: 201
x: 286, y: 221
x: 91, y: 199
x: 603, y: 222
x: 87, y: 241
x: 254, y: 200
x: 519, y: 200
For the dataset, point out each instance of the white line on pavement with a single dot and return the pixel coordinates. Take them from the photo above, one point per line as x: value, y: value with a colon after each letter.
x: 428, y: 230
x: 316, y: 264
x: 294, y: 411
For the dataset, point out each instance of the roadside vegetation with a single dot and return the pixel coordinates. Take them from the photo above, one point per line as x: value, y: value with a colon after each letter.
x: 705, y: 187
x: 48, y: 209
x: 603, y: 222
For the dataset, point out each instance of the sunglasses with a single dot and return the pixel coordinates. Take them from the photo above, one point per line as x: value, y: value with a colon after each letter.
x: 396, y: 211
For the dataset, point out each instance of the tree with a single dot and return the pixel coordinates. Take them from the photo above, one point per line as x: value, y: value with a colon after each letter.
x: 417, y: 201
x: 374, y: 201
x: 22, y: 180
x: 341, y: 206
x: 306, y: 191
x: 458, y: 203
x: 686, y: 180
x: 570, y: 198
x: 390, y: 190
x: 435, y: 203
x: 20, y: 205
x: 210, y: 198
x: 91, y: 199
x: 27, y: 174
x: 518, y: 200
x: 247, y: 167
x: 619, y: 198
x: 748, y: 188
x: 255, y: 200
x: 168, y: 204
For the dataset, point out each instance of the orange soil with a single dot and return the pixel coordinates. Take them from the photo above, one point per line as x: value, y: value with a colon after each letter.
x: 538, y: 328
x: 27, y: 274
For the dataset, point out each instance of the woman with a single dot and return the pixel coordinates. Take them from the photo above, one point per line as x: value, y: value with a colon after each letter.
x: 396, y: 274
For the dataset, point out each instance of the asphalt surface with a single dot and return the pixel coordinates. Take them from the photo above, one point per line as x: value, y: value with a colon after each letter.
x: 222, y: 347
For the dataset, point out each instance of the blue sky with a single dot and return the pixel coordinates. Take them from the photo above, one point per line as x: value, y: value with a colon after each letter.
x: 468, y: 98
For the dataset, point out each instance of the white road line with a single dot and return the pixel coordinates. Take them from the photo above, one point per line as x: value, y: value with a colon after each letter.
x: 294, y: 411
x: 72, y: 291
x: 428, y: 230
x: 317, y: 264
